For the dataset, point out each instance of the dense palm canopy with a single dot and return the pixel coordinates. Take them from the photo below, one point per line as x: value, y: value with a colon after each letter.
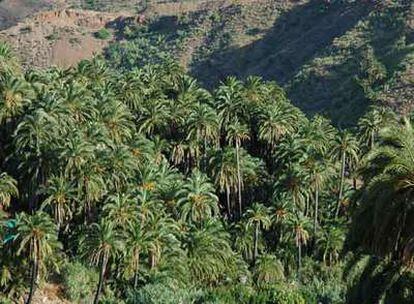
x: 150, y: 182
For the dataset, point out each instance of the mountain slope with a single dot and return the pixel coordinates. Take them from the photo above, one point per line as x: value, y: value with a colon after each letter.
x: 336, y: 58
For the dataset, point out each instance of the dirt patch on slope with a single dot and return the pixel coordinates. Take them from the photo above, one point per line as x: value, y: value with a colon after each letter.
x: 60, y: 38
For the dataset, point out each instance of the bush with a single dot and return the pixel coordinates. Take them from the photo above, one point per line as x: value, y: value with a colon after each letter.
x: 79, y: 282
x: 160, y: 293
x: 103, y: 34
x: 279, y: 294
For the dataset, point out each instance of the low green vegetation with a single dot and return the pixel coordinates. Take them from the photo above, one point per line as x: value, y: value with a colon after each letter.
x: 103, y: 34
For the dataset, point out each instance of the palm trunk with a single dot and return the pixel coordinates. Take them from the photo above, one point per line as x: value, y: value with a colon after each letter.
x: 256, y: 239
x: 372, y: 140
x: 136, y: 272
x: 101, y: 279
x: 315, y: 223
x: 228, y: 202
x: 299, y: 259
x: 239, y: 181
x: 205, y: 154
x: 341, y: 185
x: 35, y: 268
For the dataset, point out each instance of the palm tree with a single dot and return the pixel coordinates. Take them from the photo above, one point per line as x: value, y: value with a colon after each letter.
x: 237, y: 133
x: 202, y: 125
x: 254, y: 90
x: 8, y: 189
x: 230, y: 102
x: 100, y: 243
x: 161, y: 236
x: 319, y: 172
x: 136, y: 244
x: 38, y: 235
x: 117, y: 119
x: 258, y: 216
x: 154, y: 118
x: 330, y: 243
x: 60, y: 196
x: 208, y: 252
x: 294, y: 182
x: 8, y: 61
x: 384, y: 214
x: 14, y: 95
x: 244, y: 240
x: 300, y: 232
x: 120, y: 209
x: 372, y: 122
x: 346, y: 151
x: 275, y: 121
x: 282, y: 210
x: 269, y: 270
x: 198, y: 201
x: 224, y: 171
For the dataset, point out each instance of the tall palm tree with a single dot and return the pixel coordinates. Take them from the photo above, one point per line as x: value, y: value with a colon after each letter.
x: 319, y: 172
x: 136, y: 244
x: 198, y: 201
x: 346, y: 151
x: 300, y: 232
x: 37, y: 235
x: 100, y: 243
x: 224, y: 171
x: 202, y: 125
x: 230, y: 102
x: 237, y: 133
x: 8, y: 189
x: 258, y: 216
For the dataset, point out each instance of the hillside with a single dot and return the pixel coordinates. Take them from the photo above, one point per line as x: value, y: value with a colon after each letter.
x: 334, y: 58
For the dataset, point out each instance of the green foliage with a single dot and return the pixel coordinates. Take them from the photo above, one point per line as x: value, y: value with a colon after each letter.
x: 161, y: 293
x: 168, y: 192
x: 103, y: 34
x: 79, y: 282
x: 279, y: 294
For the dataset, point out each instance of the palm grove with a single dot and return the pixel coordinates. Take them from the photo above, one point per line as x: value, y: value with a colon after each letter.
x: 143, y: 187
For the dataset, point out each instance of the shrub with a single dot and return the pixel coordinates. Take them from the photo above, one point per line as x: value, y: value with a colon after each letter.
x: 79, y: 282
x: 103, y: 34
x: 279, y: 294
x: 159, y: 293
x: 52, y: 37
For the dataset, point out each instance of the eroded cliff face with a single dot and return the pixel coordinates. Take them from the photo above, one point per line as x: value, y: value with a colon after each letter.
x: 13, y: 11
x: 61, y: 37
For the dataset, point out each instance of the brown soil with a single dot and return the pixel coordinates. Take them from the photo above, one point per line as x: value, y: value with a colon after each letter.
x: 59, y: 38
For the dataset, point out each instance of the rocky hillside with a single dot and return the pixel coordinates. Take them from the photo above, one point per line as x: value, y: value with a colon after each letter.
x: 337, y: 57
x: 61, y: 37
